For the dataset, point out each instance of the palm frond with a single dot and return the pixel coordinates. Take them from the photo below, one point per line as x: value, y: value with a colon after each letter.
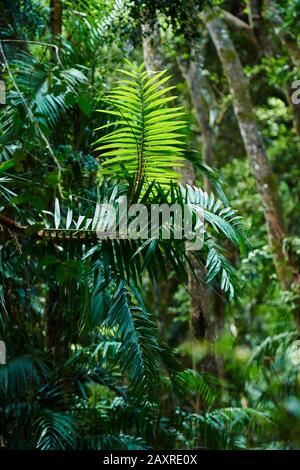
x: 218, y: 265
x: 113, y: 442
x: 221, y: 218
x: 139, y: 351
x: 43, y: 88
x: 95, y: 21
x: 223, y: 428
x: 193, y: 382
x: 272, y: 345
x: 55, y: 431
x: 148, y: 140
x: 14, y: 375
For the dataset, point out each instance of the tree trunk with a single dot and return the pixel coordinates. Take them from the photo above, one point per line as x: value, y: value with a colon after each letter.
x: 269, y: 49
x: 200, y: 312
x: 51, y: 313
x: 56, y: 16
x: 265, y: 44
x: 253, y: 142
x: 153, y: 57
x: 295, y: 108
x: 199, y: 294
x: 192, y: 72
x: 287, y: 38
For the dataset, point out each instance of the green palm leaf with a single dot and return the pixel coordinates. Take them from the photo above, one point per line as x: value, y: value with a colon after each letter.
x: 139, y: 351
x: 55, y: 431
x: 148, y: 140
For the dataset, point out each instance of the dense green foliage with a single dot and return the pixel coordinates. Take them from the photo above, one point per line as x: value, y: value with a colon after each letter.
x: 100, y: 351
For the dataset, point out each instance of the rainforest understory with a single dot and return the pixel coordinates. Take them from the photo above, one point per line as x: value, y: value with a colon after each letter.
x: 142, y: 342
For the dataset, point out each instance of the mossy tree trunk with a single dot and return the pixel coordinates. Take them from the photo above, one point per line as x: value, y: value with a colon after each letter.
x: 254, y: 145
x: 268, y: 48
x: 287, y: 38
x: 192, y: 72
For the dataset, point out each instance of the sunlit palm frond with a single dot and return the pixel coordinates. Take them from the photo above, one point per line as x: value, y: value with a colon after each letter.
x: 148, y: 141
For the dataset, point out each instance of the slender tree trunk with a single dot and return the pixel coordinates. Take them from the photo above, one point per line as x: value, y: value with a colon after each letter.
x: 253, y: 142
x: 51, y: 313
x: 269, y: 49
x: 287, y: 38
x: 192, y: 72
x: 56, y: 16
x: 295, y: 108
x: 153, y: 57
x: 199, y: 295
x: 200, y: 312
x: 265, y: 44
x: 259, y: 26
